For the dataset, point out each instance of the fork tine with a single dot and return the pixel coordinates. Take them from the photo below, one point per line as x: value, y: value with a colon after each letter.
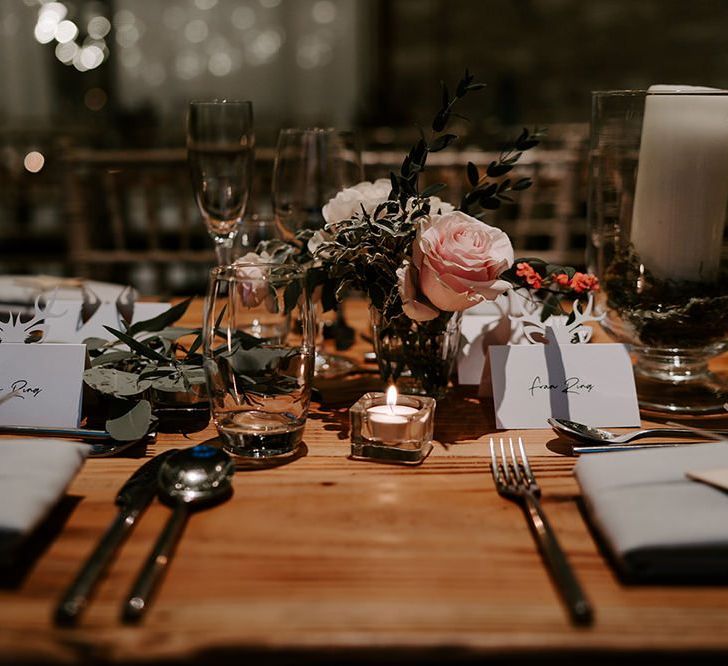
x: 493, y: 462
x: 526, y: 466
x: 516, y: 466
x: 506, y: 472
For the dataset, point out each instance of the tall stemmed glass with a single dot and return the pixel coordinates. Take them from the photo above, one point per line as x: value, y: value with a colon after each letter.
x: 311, y: 166
x: 220, y: 153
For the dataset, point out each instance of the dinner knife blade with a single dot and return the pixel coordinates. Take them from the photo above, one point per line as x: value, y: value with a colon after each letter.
x: 133, y: 497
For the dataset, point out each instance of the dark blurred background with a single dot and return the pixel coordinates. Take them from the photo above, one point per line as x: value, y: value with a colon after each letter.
x: 93, y: 96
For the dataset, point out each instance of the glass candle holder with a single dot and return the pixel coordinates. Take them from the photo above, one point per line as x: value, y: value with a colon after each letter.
x: 400, y: 432
x: 657, y: 209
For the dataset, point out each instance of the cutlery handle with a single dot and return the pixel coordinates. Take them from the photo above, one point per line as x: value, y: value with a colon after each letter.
x: 38, y: 431
x: 564, y: 577
x: 77, y: 595
x: 611, y: 448
x: 679, y: 432
x: 155, y: 566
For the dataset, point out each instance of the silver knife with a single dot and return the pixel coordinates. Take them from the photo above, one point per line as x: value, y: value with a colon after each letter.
x: 135, y: 495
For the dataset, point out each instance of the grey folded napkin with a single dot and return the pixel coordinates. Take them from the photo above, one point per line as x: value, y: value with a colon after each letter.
x: 34, y: 474
x: 657, y: 524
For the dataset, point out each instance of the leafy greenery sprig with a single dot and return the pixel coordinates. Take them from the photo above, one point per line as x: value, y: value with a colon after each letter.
x: 405, y: 184
x: 489, y: 190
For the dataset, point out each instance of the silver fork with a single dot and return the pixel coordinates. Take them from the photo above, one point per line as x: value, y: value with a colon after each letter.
x: 515, y: 481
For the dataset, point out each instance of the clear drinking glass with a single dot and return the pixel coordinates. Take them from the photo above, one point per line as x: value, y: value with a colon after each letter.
x: 254, y: 230
x: 311, y: 166
x: 259, y: 372
x: 220, y: 153
x: 657, y: 210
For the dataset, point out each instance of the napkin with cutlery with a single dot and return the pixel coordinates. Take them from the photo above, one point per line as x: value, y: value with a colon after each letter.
x: 658, y: 524
x: 34, y: 474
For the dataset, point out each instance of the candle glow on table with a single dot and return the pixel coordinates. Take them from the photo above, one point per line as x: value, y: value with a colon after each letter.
x: 682, y: 183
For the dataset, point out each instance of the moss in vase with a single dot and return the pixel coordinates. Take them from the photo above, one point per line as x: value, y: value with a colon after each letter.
x: 666, y: 313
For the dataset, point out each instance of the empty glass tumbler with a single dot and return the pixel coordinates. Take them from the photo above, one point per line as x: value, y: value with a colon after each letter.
x: 259, y: 371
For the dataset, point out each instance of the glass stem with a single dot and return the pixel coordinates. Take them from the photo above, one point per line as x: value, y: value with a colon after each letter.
x: 224, y: 250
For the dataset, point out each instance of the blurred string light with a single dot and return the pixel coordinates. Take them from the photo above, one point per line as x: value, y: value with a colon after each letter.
x: 34, y: 161
x: 79, y: 42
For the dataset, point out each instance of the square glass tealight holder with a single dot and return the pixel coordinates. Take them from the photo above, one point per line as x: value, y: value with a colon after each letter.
x: 400, y: 433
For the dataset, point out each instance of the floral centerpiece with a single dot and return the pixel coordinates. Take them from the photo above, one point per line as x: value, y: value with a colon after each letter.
x: 422, y: 262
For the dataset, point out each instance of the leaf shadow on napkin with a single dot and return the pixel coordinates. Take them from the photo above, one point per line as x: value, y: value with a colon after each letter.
x: 18, y: 560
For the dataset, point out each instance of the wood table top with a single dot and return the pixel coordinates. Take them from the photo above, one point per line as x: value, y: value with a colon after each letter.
x: 330, y: 558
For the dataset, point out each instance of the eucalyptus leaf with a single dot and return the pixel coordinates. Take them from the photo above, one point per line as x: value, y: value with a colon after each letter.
x: 256, y: 359
x: 114, y: 382
x: 111, y: 358
x: 93, y: 344
x: 133, y: 424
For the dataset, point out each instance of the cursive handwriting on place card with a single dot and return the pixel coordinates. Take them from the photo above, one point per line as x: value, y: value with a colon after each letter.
x: 592, y: 384
x: 569, y: 385
x: 21, y: 388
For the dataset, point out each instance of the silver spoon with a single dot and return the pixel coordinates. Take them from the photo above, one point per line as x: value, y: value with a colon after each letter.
x: 585, y: 433
x: 195, y: 477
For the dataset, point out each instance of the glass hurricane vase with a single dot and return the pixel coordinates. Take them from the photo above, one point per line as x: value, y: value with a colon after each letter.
x: 417, y: 356
x: 657, y: 212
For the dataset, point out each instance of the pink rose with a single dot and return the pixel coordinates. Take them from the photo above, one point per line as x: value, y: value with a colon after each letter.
x: 458, y: 260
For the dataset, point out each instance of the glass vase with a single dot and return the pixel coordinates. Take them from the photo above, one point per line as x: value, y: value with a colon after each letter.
x: 417, y: 356
x: 657, y: 211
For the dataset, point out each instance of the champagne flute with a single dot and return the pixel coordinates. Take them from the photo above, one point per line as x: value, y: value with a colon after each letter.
x: 311, y: 166
x: 220, y: 146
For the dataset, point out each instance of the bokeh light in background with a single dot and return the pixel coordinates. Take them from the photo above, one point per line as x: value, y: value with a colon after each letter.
x: 85, y: 48
x: 34, y: 161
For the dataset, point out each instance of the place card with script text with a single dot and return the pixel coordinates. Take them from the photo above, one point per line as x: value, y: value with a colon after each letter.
x: 41, y: 384
x: 592, y: 384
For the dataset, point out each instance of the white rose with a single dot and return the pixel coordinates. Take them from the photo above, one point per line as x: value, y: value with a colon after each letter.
x: 351, y: 200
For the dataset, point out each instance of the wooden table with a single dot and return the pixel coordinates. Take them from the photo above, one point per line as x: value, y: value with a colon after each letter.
x: 331, y: 559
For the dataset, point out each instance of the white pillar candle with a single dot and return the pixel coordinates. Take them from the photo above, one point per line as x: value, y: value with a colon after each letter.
x: 682, y: 183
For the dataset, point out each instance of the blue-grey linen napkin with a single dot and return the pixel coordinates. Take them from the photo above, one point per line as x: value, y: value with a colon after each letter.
x: 34, y: 474
x: 658, y: 524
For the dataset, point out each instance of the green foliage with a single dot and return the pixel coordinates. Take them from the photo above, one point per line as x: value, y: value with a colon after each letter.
x: 149, y: 355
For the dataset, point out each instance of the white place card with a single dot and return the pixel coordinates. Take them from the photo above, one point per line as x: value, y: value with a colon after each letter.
x: 592, y: 384
x: 67, y: 328
x: 41, y: 384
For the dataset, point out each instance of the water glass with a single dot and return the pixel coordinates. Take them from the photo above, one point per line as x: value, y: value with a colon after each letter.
x: 259, y: 372
x: 311, y: 166
x: 254, y: 230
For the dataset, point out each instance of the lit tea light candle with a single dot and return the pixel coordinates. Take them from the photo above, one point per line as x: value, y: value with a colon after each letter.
x: 392, y: 428
x: 391, y: 422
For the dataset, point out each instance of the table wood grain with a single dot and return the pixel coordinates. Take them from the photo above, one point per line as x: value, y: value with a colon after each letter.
x: 327, y: 557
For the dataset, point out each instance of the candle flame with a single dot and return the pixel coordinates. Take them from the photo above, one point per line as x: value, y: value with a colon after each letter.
x: 391, y: 397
